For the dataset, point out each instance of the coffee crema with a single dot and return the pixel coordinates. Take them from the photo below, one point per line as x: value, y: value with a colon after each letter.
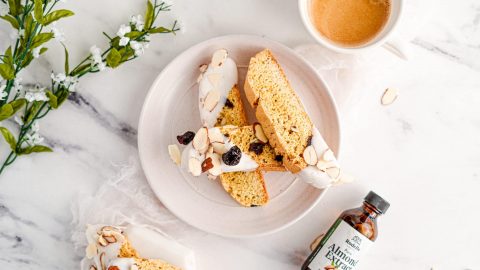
x: 349, y: 23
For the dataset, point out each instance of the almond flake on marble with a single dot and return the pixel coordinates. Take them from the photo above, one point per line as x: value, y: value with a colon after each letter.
x: 214, y: 79
x: 389, y: 96
x: 102, y: 242
x: 211, y: 100
x: 328, y: 155
x: 92, y: 267
x: 174, y: 153
x: 91, y: 251
x: 110, y: 239
x: 310, y: 156
x: 219, y: 57
x: 259, y: 133
x: 202, y: 68
x: 195, y: 166
x: 333, y: 172
x: 200, y: 141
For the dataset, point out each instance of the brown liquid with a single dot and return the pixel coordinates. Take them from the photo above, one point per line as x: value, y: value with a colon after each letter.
x: 349, y: 22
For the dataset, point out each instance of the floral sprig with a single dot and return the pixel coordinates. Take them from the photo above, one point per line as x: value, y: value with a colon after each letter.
x: 33, y: 22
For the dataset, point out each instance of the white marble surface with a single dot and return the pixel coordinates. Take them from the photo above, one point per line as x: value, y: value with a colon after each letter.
x: 421, y: 153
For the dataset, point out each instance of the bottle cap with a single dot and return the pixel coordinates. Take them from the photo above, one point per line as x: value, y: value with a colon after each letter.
x: 378, y: 202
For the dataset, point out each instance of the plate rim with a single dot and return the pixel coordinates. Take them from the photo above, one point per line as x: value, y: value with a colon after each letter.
x: 141, y: 123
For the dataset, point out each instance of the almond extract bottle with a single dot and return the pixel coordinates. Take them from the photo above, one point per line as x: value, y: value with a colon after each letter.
x: 349, y: 237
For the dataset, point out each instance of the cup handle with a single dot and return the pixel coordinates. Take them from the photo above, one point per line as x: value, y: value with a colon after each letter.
x: 398, y: 47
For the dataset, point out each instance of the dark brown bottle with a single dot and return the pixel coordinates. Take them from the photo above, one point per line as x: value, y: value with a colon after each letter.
x: 349, y: 237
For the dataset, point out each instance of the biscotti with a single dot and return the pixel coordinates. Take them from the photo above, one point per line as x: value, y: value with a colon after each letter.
x: 279, y: 109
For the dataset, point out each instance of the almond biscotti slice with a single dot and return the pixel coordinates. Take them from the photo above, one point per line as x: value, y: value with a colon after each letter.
x: 278, y: 109
x: 120, y: 248
x: 287, y: 125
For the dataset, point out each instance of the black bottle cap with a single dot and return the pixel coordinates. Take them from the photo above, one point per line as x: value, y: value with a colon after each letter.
x: 376, y: 201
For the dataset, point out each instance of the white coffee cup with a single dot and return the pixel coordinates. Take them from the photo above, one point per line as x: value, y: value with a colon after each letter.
x: 384, y: 38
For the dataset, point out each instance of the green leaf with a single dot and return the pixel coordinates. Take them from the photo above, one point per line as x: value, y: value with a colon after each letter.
x: 9, y: 138
x: 8, y: 59
x: 28, y: 25
x: 40, y: 39
x: 80, y: 69
x: 52, y: 99
x: 33, y: 111
x: 159, y: 30
x: 38, y: 10
x: 67, y: 66
x: 15, y: 7
x: 7, y: 71
x: 56, y: 15
x: 11, y: 20
x: 6, y: 111
x: 18, y: 104
x: 133, y: 35
x: 126, y: 53
x: 113, y: 58
x: 61, y: 97
x: 34, y: 149
x: 149, y: 15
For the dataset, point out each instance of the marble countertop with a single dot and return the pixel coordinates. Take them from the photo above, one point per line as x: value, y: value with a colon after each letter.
x: 422, y: 153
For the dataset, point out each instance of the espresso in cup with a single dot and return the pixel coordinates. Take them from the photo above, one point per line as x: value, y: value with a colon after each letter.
x: 349, y: 23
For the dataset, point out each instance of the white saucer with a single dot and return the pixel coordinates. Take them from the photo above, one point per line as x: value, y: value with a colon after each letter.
x: 171, y: 108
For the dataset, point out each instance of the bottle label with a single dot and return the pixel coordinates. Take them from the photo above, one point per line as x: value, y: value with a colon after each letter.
x: 340, y: 249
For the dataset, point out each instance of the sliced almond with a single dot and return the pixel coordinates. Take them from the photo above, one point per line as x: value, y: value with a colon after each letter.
x: 259, y: 133
x: 211, y: 100
x: 219, y: 148
x: 195, y: 166
x: 203, y: 68
x: 215, y: 135
x: 102, y: 261
x: 315, y: 242
x: 389, y: 96
x: 214, y: 79
x: 110, y: 239
x: 333, y: 172
x: 174, y: 153
x: 216, y: 169
x: 102, y: 242
x: 91, y: 251
x: 294, y: 129
x: 200, y: 141
x: 219, y: 57
x: 328, y: 155
x: 210, y: 149
x: 324, y: 165
x: 93, y: 267
x: 310, y: 156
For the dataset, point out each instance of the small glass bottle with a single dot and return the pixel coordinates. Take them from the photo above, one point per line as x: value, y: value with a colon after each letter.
x: 349, y: 237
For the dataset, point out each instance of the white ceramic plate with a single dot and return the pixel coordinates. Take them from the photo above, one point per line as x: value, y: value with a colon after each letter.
x: 171, y: 109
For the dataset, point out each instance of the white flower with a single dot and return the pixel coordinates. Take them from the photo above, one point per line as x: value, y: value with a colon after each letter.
x: 97, y: 58
x: 124, y: 29
x: 36, y: 51
x: 123, y: 41
x: 3, y: 93
x: 94, y: 50
x: 58, y: 78
x: 36, y: 94
x: 71, y: 82
x: 35, y: 127
x: 58, y: 34
x: 138, y: 22
x: 101, y: 66
x: 17, y: 85
x: 3, y: 9
x: 33, y: 139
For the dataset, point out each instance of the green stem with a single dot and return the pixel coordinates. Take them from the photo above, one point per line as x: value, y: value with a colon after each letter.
x: 8, y: 161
